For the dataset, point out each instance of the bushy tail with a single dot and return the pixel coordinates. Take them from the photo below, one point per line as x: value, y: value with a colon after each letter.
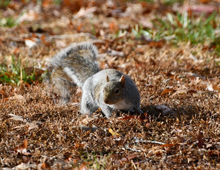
x: 78, y: 61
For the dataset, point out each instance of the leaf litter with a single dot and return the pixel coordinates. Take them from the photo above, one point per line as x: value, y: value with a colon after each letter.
x: 179, y: 89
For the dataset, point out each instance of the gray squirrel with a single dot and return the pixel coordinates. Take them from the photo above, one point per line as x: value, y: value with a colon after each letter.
x: 107, y: 89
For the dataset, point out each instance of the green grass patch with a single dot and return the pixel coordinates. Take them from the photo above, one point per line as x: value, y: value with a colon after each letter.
x: 8, y: 22
x: 181, y: 27
x: 4, y: 3
x: 96, y: 160
x: 171, y: 2
x: 17, y: 74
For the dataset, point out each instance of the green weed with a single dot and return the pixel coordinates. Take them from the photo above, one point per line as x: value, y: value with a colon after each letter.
x: 96, y: 160
x: 171, y: 2
x: 138, y: 32
x: 99, y: 162
x: 15, y: 73
x: 184, y: 28
x: 149, y: 1
x: 4, y: 3
x: 8, y: 22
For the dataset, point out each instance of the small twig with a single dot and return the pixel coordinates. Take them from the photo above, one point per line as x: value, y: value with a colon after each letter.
x: 148, y: 141
x: 155, y: 142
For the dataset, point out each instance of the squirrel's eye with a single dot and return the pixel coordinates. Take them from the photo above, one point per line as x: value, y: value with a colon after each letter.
x: 117, y: 91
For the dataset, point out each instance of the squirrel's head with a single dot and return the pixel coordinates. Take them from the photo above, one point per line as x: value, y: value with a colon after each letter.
x: 114, y: 90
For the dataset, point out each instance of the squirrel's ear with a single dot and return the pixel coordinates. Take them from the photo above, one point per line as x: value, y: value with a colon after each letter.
x: 122, y: 80
x: 107, y: 78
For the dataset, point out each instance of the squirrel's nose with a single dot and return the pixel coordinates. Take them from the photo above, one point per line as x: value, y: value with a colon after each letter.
x: 106, y: 101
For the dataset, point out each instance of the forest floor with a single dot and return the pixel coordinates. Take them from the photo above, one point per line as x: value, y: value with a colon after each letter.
x: 169, y: 48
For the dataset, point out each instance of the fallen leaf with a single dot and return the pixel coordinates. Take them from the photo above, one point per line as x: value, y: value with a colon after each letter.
x: 30, y: 43
x: 116, y: 53
x: 45, y: 165
x: 24, y: 166
x: 46, y: 3
x: 16, y: 117
x: 60, y: 43
x: 74, y: 6
x: 209, y: 87
x: 205, y: 1
x: 132, y: 156
x: 29, y: 15
x: 23, y: 148
x: 128, y: 117
x: 16, y: 51
x: 166, y: 91
x: 79, y: 27
x: 208, y: 9
x: 168, y: 145
x: 200, y: 143
x: 113, y: 133
x: 113, y: 27
x: 157, y: 44
x: 146, y: 22
x: 17, y: 97
x: 213, y: 152
x: 85, y: 12
x: 83, y: 166
x: 2, y: 92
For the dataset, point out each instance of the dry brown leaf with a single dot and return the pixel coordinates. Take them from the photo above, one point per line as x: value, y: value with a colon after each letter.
x: 128, y: 117
x: 168, y: 145
x: 167, y: 91
x: 74, y: 6
x: 3, y: 93
x: 16, y: 51
x: 205, y: 1
x: 45, y: 165
x: 132, y: 156
x: 17, y: 97
x: 113, y: 28
x: 200, y: 143
x: 146, y: 22
x: 157, y: 44
x: 83, y: 166
x: 148, y: 7
x: 213, y: 152
x: 23, y: 148
x: 46, y: 3
x: 208, y: 9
